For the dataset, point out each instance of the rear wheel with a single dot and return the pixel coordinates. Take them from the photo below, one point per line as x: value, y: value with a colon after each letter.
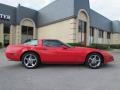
x: 94, y: 61
x: 30, y: 60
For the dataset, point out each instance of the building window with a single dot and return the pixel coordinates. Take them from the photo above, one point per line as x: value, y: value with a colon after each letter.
x: 24, y: 30
x: 108, y: 35
x: 82, y: 26
x: 30, y: 30
x: 27, y: 33
x: 6, y: 29
x: 27, y: 30
x: 6, y: 34
x: 101, y: 34
x: 92, y: 32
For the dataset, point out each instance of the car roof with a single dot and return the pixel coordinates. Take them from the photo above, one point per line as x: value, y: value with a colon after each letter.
x: 48, y: 39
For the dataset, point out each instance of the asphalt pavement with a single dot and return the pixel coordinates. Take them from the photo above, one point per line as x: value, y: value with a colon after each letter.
x: 13, y: 76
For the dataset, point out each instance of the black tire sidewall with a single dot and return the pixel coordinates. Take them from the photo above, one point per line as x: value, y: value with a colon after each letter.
x: 37, y: 64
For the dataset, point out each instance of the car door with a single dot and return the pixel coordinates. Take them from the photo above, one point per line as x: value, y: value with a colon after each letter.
x: 49, y: 55
x: 67, y: 55
x: 55, y: 52
x: 48, y: 52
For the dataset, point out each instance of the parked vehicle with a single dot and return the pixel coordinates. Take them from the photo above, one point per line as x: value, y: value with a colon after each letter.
x: 33, y: 53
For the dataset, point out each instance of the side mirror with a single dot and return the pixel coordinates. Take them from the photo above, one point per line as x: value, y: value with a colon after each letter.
x: 64, y: 47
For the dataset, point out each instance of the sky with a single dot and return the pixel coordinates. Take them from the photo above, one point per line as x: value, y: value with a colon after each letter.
x: 108, y: 8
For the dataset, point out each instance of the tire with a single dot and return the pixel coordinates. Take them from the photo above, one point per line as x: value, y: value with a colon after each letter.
x: 30, y: 60
x: 94, y: 61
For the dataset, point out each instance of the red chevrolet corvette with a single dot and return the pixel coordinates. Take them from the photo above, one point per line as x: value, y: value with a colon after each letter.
x: 45, y: 51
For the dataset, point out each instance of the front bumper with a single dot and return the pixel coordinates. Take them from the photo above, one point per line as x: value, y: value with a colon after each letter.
x: 108, y: 59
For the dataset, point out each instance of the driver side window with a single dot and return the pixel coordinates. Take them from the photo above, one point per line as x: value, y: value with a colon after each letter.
x: 52, y: 43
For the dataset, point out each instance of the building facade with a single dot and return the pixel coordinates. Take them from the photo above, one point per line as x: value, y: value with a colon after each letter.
x: 74, y: 22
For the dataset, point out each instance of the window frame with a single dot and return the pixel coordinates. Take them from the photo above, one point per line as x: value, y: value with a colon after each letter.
x: 92, y: 32
x: 108, y: 35
x: 26, y: 30
x: 6, y: 28
x: 101, y: 34
x: 82, y: 26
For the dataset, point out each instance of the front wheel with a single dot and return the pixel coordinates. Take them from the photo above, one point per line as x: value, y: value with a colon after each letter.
x: 30, y: 60
x: 94, y: 61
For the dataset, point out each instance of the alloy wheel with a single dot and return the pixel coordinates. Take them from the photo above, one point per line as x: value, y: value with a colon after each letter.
x: 94, y: 61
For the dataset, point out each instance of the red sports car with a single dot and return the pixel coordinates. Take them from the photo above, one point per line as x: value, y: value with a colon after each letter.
x: 46, y: 51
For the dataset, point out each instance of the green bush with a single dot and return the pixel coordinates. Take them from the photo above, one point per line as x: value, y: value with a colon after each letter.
x: 77, y: 44
x: 97, y: 46
x: 105, y: 46
x: 74, y: 44
x: 115, y: 46
x: 0, y: 45
x: 100, y: 46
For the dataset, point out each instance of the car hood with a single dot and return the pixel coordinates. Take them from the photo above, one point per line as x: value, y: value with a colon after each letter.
x: 85, y: 48
x: 88, y: 50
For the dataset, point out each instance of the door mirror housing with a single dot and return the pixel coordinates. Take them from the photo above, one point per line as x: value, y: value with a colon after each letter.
x: 64, y: 47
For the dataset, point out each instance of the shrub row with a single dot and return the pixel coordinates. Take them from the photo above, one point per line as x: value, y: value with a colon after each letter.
x: 106, y: 46
x: 0, y: 45
x: 77, y: 44
x: 98, y: 46
x: 74, y: 44
x: 115, y: 46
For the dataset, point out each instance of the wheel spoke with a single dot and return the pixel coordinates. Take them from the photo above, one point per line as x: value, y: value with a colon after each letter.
x: 95, y: 57
x: 26, y: 64
x: 91, y: 59
x: 26, y: 58
x: 33, y: 64
x: 98, y: 60
x: 33, y: 59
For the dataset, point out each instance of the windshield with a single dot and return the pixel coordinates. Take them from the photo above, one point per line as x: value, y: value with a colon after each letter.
x: 31, y: 42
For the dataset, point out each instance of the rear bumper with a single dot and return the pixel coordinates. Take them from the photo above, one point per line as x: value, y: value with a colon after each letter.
x: 12, y: 57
